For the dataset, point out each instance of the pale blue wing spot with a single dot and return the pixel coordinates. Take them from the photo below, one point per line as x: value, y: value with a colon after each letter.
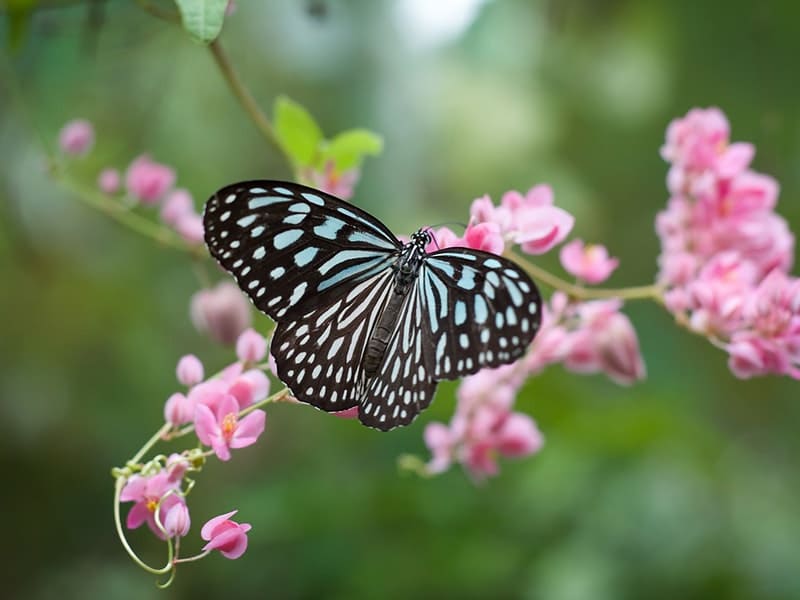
x: 481, y: 309
x: 460, y: 313
x: 305, y: 256
x: 256, y: 231
x: 286, y: 238
x: 300, y: 207
x: 295, y: 219
x: 259, y: 253
x: 246, y: 221
x: 313, y: 198
x: 492, y: 263
x: 262, y: 201
x: 329, y: 228
x: 280, y: 190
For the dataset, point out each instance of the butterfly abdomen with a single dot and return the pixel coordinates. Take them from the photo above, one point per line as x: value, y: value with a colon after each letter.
x: 376, y: 347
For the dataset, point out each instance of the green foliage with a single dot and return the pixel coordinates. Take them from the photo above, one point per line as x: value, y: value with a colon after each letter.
x: 297, y: 131
x: 19, y: 20
x: 202, y: 19
x: 302, y: 140
x: 348, y: 149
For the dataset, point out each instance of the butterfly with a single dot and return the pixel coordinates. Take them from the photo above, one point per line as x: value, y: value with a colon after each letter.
x: 363, y: 319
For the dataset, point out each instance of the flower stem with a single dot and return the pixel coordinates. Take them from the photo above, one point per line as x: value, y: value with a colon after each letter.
x: 243, y: 94
x: 578, y: 292
x: 122, y: 215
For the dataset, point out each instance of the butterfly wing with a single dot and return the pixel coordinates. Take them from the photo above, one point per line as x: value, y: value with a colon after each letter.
x: 292, y: 248
x: 319, y: 354
x: 480, y: 310
x: 468, y: 310
x: 403, y: 385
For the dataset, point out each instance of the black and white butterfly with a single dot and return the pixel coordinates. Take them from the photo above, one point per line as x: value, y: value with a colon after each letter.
x: 362, y: 318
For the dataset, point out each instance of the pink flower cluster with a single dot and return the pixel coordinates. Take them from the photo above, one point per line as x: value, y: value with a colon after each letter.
x: 146, y: 181
x: 587, y: 337
x: 530, y: 220
x: 484, y: 425
x: 725, y: 252
x: 214, y: 404
x: 160, y: 502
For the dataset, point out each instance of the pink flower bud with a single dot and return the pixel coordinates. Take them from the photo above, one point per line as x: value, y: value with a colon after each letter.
x: 76, y: 137
x: 147, y: 180
x: 178, y: 410
x: 177, y: 521
x: 519, y: 436
x: 176, y: 467
x: 189, y: 370
x: 440, y: 442
x: 618, y: 350
x: 251, y: 346
x: 590, y: 263
x: 178, y: 203
x: 229, y: 537
x: 339, y: 184
x: 223, y: 312
x: 108, y: 181
x: 347, y: 413
x: 190, y: 228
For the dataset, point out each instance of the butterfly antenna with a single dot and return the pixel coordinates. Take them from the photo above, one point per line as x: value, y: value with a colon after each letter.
x: 430, y: 229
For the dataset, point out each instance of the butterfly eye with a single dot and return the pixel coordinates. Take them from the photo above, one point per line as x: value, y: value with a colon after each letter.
x: 362, y: 319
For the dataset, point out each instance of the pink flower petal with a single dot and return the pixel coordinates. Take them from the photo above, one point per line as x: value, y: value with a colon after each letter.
x: 248, y: 429
x: 207, y: 530
x: 205, y: 425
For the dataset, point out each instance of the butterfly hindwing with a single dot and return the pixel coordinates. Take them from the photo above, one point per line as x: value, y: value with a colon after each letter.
x: 319, y: 354
x: 481, y: 310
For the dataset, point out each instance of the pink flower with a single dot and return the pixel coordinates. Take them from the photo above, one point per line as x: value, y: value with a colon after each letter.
x: 347, y: 413
x: 223, y: 312
x: 224, y: 430
x: 227, y: 536
x: 149, y: 493
x: 209, y: 393
x: 108, y: 181
x: 176, y: 467
x: 251, y: 346
x: 177, y: 204
x: 249, y: 387
x: 442, y: 238
x: 486, y: 237
x: 539, y: 229
x: 189, y: 370
x: 147, y: 180
x: 330, y: 180
x: 76, y: 137
x: 190, y: 228
x: 698, y: 139
x: 590, y: 263
x: 178, y: 410
x: 177, y: 521
x: 441, y: 442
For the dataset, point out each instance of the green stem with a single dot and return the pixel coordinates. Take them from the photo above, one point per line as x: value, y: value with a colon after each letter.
x: 578, y: 292
x: 122, y: 215
x: 243, y: 94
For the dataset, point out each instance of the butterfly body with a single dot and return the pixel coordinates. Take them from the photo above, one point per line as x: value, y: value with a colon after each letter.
x: 363, y: 319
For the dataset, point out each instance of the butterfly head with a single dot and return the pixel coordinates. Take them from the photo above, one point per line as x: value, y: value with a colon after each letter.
x: 421, y: 238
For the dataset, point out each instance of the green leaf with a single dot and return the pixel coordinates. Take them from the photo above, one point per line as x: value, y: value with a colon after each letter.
x: 202, y: 19
x: 297, y: 131
x: 348, y: 149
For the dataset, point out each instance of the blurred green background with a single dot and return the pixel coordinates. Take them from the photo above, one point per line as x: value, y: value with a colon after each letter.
x: 684, y: 486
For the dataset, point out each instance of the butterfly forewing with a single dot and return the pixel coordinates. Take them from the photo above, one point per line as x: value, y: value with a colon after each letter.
x: 481, y: 310
x: 293, y: 248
